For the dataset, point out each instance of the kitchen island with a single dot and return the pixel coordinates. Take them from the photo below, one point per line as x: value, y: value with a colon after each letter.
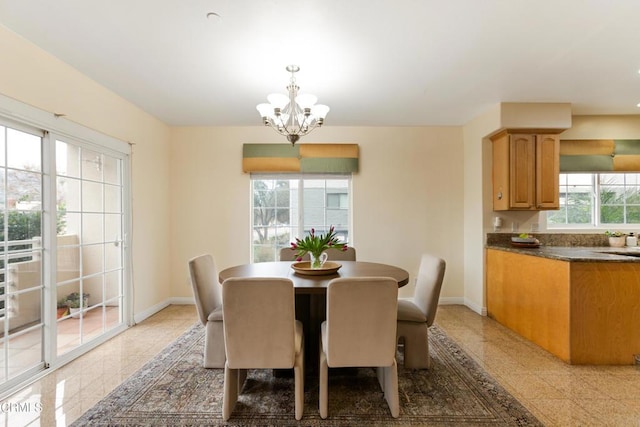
x: 581, y: 304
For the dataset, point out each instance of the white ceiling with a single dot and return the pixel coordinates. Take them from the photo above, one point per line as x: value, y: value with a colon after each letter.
x: 374, y: 62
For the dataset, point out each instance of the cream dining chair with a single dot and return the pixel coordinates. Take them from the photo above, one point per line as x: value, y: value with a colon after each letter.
x: 261, y: 332
x: 416, y: 314
x: 288, y: 254
x: 208, y: 296
x: 360, y: 331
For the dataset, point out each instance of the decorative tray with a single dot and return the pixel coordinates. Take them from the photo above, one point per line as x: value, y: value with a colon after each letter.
x: 304, y: 267
x: 525, y: 245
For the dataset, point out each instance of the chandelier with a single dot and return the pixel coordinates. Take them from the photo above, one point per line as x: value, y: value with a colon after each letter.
x: 294, y: 115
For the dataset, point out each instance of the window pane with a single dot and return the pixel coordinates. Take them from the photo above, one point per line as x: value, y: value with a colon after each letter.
x: 276, y: 205
x: 23, y: 150
x: 597, y: 199
x: 612, y: 215
x: 633, y: 214
x: 24, y: 190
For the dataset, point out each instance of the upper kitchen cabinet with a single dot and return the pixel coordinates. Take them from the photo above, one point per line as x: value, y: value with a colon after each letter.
x: 526, y: 169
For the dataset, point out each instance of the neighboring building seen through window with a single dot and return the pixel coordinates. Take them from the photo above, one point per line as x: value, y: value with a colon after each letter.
x: 288, y: 206
x: 597, y: 200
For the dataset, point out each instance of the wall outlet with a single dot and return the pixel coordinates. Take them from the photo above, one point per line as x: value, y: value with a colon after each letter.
x: 515, y: 226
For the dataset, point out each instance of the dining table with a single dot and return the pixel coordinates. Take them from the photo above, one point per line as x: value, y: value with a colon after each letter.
x: 310, y: 291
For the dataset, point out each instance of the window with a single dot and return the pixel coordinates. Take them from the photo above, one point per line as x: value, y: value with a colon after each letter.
x: 597, y: 199
x: 288, y: 206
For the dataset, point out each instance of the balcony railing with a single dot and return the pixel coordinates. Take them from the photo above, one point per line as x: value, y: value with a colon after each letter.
x: 13, y: 252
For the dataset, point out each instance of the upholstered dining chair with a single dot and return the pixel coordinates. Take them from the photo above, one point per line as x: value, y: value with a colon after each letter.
x: 416, y: 314
x: 288, y: 254
x: 208, y: 295
x: 260, y: 332
x: 360, y: 331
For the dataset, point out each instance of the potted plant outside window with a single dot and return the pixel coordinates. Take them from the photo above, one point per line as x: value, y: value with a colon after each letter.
x: 74, y: 303
x: 62, y: 309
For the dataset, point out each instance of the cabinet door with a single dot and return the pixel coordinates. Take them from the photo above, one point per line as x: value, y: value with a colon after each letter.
x: 522, y: 171
x: 547, y: 171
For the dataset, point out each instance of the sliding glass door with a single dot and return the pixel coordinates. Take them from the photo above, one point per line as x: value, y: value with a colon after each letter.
x: 21, y: 278
x: 90, y: 250
x: 64, y: 218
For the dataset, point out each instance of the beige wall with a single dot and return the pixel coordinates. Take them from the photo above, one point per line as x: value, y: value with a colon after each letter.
x: 34, y: 77
x: 407, y: 197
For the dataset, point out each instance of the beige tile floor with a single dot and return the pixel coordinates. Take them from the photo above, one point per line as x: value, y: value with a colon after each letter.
x: 558, y: 394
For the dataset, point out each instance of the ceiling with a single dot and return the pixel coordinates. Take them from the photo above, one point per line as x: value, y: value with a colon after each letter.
x: 374, y: 62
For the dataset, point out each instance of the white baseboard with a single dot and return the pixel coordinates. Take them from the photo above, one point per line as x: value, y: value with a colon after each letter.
x: 451, y: 301
x: 139, y: 317
x: 478, y: 309
x: 182, y: 301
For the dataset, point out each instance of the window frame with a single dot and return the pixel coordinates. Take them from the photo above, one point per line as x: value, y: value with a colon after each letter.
x: 300, y: 227
x: 596, y: 224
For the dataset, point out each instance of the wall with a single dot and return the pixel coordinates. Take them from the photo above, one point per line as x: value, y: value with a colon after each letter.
x: 409, y: 187
x: 34, y: 77
x: 477, y: 187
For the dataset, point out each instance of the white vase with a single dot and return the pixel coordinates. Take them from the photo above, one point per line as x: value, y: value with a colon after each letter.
x: 318, y: 262
x: 617, y: 242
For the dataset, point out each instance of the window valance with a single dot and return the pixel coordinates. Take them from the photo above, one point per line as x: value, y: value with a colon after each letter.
x: 301, y: 158
x: 600, y: 155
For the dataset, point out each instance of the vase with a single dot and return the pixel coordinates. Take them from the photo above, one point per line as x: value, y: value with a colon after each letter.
x: 317, y: 261
x: 617, y: 242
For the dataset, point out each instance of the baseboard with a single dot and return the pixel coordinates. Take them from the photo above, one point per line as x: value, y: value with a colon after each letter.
x: 478, y: 309
x: 182, y: 301
x: 451, y: 301
x: 139, y: 317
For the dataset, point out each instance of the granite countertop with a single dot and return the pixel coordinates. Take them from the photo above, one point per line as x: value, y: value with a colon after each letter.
x: 576, y: 253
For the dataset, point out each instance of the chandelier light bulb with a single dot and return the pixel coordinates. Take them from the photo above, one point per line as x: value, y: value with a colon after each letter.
x: 294, y: 115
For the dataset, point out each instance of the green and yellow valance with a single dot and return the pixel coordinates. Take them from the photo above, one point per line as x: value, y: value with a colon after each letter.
x: 600, y: 155
x: 300, y: 158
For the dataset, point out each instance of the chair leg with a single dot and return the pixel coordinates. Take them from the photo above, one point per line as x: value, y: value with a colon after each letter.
x: 388, y: 375
x: 416, y: 344
x: 214, y: 353
x: 298, y: 373
x: 231, y: 389
x: 324, y: 385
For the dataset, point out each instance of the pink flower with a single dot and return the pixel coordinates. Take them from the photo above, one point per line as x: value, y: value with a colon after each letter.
x: 299, y: 258
x: 313, y: 232
x: 344, y: 248
x: 294, y: 246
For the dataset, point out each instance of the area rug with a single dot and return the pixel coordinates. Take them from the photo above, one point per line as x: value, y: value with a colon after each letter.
x: 173, y: 389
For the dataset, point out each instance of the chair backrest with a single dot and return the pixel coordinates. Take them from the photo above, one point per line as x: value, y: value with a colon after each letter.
x: 428, y: 285
x: 339, y: 255
x: 206, y: 287
x: 259, y: 322
x: 361, y: 321
x: 288, y: 254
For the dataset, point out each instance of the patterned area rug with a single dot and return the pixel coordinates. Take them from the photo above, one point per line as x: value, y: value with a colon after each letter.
x: 174, y: 389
